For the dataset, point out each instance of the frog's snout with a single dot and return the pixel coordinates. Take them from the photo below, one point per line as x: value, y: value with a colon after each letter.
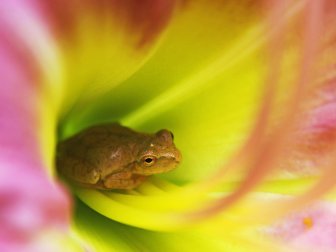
x: 174, y: 156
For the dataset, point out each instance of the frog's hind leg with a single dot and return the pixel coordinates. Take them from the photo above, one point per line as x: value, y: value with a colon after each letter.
x: 77, y: 171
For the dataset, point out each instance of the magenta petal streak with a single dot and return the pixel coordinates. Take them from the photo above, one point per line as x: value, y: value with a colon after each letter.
x: 29, y: 202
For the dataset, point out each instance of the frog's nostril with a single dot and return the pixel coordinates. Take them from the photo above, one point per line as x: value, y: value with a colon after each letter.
x: 172, y: 135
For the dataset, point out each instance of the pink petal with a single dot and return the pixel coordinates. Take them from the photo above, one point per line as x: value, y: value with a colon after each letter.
x: 313, y: 229
x: 29, y: 201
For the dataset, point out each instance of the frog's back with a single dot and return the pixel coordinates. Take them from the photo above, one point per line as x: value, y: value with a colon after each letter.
x: 86, y: 155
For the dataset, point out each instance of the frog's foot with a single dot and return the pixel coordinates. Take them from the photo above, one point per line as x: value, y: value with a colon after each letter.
x: 133, y: 181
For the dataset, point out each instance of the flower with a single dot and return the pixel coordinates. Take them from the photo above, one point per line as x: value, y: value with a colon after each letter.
x: 246, y: 88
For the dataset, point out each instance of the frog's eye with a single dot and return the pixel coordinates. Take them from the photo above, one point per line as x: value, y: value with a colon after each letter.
x: 148, y: 160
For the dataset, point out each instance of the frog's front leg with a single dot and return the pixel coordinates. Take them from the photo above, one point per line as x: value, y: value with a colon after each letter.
x: 123, y: 180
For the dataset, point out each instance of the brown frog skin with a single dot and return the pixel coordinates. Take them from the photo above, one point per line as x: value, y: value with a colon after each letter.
x: 111, y: 156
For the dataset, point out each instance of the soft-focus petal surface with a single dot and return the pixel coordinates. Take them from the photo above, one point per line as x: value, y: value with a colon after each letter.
x: 224, y: 77
x: 310, y: 230
x: 31, y: 204
x: 209, y: 99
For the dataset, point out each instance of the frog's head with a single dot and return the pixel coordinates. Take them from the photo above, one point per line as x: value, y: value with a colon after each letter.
x: 159, y: 154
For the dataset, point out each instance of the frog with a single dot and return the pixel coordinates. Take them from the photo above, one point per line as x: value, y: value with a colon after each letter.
x: 111, y: 156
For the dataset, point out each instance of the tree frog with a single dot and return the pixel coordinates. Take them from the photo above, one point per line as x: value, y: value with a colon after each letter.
x: 111, y: 156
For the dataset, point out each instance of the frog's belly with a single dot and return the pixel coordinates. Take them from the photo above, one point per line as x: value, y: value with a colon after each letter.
x: 110, y: 184
x: 129, y: 183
